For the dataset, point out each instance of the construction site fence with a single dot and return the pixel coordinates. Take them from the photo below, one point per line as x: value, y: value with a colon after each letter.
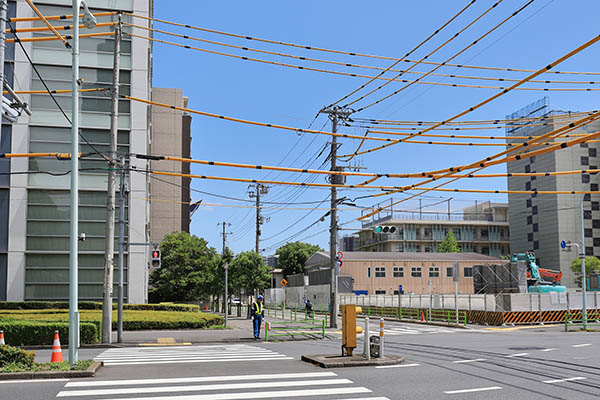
x: 292, y: 329
x: 574, y: 320
x: 399, y: 313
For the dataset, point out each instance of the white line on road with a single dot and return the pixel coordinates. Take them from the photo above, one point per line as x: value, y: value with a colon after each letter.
x: 582, y: 345
x: 468, y: 361
x: 398, y: 366
x: 219, y: 386
x: 548, y: 349
x: 227, y: 378
x: 472, y: 390
x: 197, y: 361
x: 260, y: 395
x: 576, y: 378
x: 517, y: 355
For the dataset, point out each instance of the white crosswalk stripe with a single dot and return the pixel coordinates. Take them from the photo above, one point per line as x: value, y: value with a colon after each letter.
x: 187, y: 354
x: 410, y: 330
x: 311, y: 385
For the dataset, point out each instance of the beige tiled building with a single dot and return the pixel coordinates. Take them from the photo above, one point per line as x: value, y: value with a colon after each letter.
x: 384, y: 272
x: 171, y: 136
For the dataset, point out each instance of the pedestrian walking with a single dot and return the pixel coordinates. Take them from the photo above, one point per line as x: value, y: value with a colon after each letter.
x: 309, y: 308
x: 257, y: 313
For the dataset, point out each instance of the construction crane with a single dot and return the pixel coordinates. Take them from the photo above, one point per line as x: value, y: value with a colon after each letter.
x: 536, y: 275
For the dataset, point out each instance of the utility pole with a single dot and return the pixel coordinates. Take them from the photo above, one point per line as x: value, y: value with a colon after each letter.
x: 225, y: 267
x: 335, y: 115
x: 255, y: 191
x: 3, y: 9
x: 124, y: 189
x: 109, y: 247
x: 583, y: 271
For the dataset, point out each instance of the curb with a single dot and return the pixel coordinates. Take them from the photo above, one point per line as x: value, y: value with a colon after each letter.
x: 88, y: 373
x: 335, y: 361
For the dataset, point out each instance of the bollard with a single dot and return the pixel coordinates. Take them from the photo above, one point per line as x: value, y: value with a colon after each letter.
x: 381, y: 322
x: 323, y: 327
x: 367, y: 344
x: 266, y: 331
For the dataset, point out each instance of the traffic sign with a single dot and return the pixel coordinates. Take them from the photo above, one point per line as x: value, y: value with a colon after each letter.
x: 284, y: 282
x: 563, y: 244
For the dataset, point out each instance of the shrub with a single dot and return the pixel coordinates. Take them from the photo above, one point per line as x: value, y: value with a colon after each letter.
x: 91, y: 305
x: 17, y: 357
x: 163, y: 307
x: 19, y: 332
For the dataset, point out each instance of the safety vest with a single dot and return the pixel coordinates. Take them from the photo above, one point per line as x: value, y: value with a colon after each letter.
x: 259, y: 308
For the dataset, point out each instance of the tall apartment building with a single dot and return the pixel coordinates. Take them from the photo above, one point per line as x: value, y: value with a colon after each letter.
x: 34, y: 206
x: 171, y: 136
x: 539, y: 222
x: 482, y: 228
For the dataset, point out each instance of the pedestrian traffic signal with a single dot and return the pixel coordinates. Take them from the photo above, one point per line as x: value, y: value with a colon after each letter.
x: 155, y: 258
x: 385, y: 229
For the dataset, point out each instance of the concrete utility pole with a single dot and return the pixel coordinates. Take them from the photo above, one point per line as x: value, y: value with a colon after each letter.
x: 124, y: 190
x: 109, y: 247
x: 225, y: 267
x: 255, y: 191
x: 583, y: 271
x: 3, y: 10
x: 335, y: 115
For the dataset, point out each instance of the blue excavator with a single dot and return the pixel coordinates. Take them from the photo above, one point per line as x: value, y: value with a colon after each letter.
x: 535, y: 281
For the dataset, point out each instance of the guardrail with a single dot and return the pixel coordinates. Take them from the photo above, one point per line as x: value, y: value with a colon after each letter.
x: 574, y: 319
x: 295, y: 314
x: 448, y: 316
x: 294, y: 328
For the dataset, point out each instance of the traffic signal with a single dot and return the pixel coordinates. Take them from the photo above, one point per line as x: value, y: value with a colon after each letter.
x: 385, y: 229
x: 155, y: 258
x: 349, y: 328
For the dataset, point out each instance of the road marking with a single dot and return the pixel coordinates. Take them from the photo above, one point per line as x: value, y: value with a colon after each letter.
x: 468, y: 361
x: 517, y: 328
x: 398, y: 366
x: 472, y: 390
x: 548, y: 349
x: 228, y: 378
x: 198, y: 361
x: 260, y: 395
x: 582, y: 345
x: 517, y: 355
x: 35, y: 380
x: 220, y: 386
x: 576, y: 378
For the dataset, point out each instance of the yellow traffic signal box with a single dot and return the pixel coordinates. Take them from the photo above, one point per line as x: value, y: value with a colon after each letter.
x: 349, y: 328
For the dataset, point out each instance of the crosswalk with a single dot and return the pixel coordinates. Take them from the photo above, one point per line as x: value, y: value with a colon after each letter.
x: 187, y: 354
x: 418, y: 330
x: 309, y: 385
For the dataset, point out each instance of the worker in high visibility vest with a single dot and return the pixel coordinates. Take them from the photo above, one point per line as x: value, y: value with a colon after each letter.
x: 257, y: 313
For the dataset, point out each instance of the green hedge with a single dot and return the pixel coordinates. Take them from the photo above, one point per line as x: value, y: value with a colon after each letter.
x: 132, y: 319
x: 30, y: 332
x: 91, y: 305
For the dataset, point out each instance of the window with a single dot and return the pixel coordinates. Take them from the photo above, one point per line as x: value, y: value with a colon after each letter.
x: 597, y: 242
x: 529, y: 220
x: 368, y: 272
x: 396, y: 292
x: 535, y: 227
x: 592, y: 152
x: 528, y: 168
x: 379, y: 272
x: 527, y: 185
x: 585, y: 161
x: 587, y: 214
x: 534, y: 210
x: 484, y: 233
x: 583, y: 145
x: 415, y: 272
x: 485, y: 250
x: 585, y: 178
x: 588, y: 232
x: 398, y: 272
x: 595, y: 205
x: 528, y: 203
x: 380, y: 292
x: 593, y: 187
x: 536, y: 244
x: 530, y: 237
x: 400, y: 247
x: 449, y: 271
x: 589, y: 251
x: 468, y: 272
x: 428, y: 249
x: 587, y: 196
x: 434, y: 272
x: 596, y: 223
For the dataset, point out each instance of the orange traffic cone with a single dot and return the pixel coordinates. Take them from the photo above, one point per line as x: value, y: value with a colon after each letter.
x: 2, y: 338
x: 422, y: 316
x: 56, y: 351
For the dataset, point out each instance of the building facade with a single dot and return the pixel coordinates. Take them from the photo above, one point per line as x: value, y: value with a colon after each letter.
x: 386, y: 272
x: 482, y: 228
x: 539, y: 222
x: 171, y: 136
x: 37, y: 250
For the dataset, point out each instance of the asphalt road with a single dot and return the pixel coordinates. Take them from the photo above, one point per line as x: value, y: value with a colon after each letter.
x: 537, y: 363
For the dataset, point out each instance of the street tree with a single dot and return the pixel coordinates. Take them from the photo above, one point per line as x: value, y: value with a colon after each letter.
x: 248, y: 272
x: 187, y: 270
x: 292, y: 256
x: 592, y: 266
x: 449, y: 245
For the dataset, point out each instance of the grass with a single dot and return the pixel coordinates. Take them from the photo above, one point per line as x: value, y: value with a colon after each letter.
x: 46, y: 367
x: 217, y: 327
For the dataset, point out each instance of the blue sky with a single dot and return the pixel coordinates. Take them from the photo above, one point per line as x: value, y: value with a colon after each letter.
x: 544, y: 31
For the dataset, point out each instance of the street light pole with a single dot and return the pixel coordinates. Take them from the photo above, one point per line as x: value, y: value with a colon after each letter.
x: 583, y: 272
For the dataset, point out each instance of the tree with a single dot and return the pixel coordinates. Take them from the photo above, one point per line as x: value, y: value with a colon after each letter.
x: 449, y: 245
x: 592, y: 266
x: 247, y: 272
x: 292, y: 256
x: 187, y: 268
